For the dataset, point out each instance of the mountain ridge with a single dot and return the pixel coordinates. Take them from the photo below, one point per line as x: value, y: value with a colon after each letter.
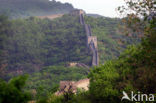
x: 27, y: 8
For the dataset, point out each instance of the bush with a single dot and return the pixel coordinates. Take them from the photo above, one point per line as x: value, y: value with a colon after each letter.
x: 103, y: 82
x: 11, y: 92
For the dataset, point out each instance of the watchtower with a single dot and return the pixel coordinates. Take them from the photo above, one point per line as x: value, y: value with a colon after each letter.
x: 77, y: 12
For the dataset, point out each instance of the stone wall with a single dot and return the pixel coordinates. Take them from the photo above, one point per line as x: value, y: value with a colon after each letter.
x: 72, y: 86
x: 94, y: 39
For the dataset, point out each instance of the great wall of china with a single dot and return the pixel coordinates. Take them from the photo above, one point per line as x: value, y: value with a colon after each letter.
x: 91, y: 40
x: 71, y: 86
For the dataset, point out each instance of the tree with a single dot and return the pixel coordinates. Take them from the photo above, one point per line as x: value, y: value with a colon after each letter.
x: 12, y: 91
x: 102, y: 83
x: 136, y: 65
x: 141, y: 16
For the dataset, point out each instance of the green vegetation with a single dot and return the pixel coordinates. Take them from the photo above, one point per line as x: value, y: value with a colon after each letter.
x: 137, y: 73
x: 134, y: 70
x: 33, y: 43
x: 3, y: 37
x: 111, y: 40
x: 103, y: 82
x: 12, y: 91
x: 80, y: 97
x: 25, y: 8
x: 38, y: 46
x: 47, y: 80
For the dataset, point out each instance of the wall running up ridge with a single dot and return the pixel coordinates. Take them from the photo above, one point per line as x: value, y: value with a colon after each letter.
x: 91, y: 40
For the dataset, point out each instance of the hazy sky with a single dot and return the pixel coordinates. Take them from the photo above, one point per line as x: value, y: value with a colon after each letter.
x: 102, y: 7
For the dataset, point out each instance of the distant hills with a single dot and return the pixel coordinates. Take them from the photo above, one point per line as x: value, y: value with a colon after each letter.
x: 25, y: 8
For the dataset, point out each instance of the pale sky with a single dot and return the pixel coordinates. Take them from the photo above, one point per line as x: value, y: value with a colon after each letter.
x: 102, y: 7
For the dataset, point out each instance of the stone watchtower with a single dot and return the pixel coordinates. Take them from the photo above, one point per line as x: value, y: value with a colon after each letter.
x: 77, y: 12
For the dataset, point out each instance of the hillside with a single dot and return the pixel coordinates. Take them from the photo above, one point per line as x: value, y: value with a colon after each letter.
x: 111, y: 40
x: 43, y: 47
x: 54, y: 58
x: 25, y: 8
x: 34, y: 43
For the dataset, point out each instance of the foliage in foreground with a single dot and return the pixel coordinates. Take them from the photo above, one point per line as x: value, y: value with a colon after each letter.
x: 136, y: 67
x: 12, y: 91
x: 103, y: 82
x: 79, y: 97
x: 47, y: 80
